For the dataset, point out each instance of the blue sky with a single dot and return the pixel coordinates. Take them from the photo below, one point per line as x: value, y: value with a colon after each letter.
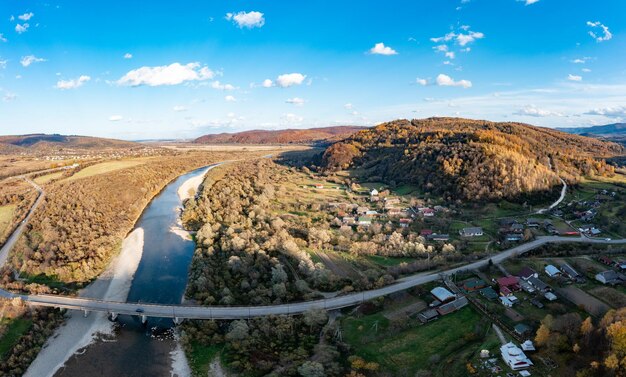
x: 163, y: 69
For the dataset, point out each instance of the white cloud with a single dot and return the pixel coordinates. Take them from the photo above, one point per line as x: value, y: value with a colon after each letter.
x: 445, y: 80
x: 179, y: 108
x: 586, y: 70
x: 381, y: 49
x: 128, y: 55
x: 460, y: 38
x: 289, y: 79
x: 441, y: 48
x: 247, y: 19
x: 172, y: 74
x: 606, y: 34
x: 267, y: 83
x: 422, y: 82
x: 30, y: 59
x: 230, y: 98
x: 610, y: 112
x: 529, y: 2
x: 72, y: 84
x: 3, y: 64
x: 26, y: 16
x: 450, y: 55
x: 219, y: 86
x: 533, y: 111
x: 115, y: 118
x: 348, y: 106
x: 571, y: 77
x: 19, y: 29
x: 296, y: 101
x: 2, y: 38
x: 8, y: 97
x: 292, y: 119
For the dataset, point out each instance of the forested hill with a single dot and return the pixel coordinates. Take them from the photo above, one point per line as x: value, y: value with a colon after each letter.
x: 289, y: 136
x: 46, y: 142
x: 471, y: 159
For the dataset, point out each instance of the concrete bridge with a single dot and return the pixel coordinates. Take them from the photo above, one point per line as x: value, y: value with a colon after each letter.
x: 180, y: 312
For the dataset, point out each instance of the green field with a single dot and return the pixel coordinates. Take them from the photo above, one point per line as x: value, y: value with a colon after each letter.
x: 201, y: 356
x: 411, y: 349
x: 387, y: 261
x: 106, y: 167
x: 6, y: 215
x: 15, y: 328
x: 48, y: 177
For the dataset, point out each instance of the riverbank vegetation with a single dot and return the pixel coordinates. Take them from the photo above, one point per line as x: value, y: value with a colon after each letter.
x: 82, y: 221
x: 16, y: 198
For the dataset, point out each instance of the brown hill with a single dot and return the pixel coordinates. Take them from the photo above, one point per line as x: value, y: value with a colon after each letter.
x: 288, y: 136
x: 471, y: 159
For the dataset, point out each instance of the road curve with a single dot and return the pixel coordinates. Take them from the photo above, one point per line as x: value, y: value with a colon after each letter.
x: 237, y: 312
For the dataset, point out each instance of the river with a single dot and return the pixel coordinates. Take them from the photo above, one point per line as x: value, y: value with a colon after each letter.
x: 136, y: 349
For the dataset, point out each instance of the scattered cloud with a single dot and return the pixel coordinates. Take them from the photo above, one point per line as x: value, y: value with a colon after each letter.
x: 348, y: 106
x: 460, y: 38
x: 381, y: 49
x: 289, y: 79
x: 115, y: 118
x: 179, y: 108
x: 296, y: 101
x: 533, y: 111
x: 230, y: 98
x: 72, y: 84
x: 3, y: 64
x: 267, y: 83
x: 19, y: 29
x: 610, y: 112
x: 26, y: 16
x: 586, y: 70
x: 30, y: 59
x: 247, y: 19
x: 128, y: 55
x: 292, y: 119
x: 422, y: 82
x: 172, y: 74
x: 571, y: 77
x: 2, y: 38
x: 219, y: 86
x: 606, y: 34
x: 529, y: 2
x: 445, y: 80
x: 8, y: 97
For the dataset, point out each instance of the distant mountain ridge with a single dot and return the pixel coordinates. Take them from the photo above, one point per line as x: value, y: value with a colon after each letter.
x: 606, y: 130
x: 465, y: 159
x: 52, y: 142
x: 287, y: 136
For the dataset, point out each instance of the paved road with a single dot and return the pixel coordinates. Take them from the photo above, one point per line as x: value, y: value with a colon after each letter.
x: 235, y: 312
x: 6, y: 248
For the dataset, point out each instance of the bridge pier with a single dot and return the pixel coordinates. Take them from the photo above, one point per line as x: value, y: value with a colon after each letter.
x: 85, y: 313
x: 178, y: 320
x: 144, y: 319
x: 113, y: 316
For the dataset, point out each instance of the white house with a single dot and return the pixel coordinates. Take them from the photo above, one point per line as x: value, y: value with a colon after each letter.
x: 374, y: 192
x: 609, y: 277
x: 471, y: 232
x: 552, y: 271
x: 550, y: 296
x: 514, y: 357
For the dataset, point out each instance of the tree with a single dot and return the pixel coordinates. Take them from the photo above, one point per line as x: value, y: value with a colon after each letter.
x: 238, y: 330
x: 315, y: 317
x: 543, y: 335
x: 311, y: 369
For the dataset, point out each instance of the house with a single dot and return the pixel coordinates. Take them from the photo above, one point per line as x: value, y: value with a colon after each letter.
x: 610, y: 277
x: 621, y: 265
x: 365, y: 220
x: 474, y: 285
x: 442, y: 294
x: 319, y: 186
x: 526, y: 287
x: 374, y: 192
x: 552, y: 271
x: 471, y: 232
x: 528, y: 346
x: 527, y: 273
x: 438, y: 237
x: 513, y: 237
x: 428, y: 212
x: 348, y: 220
x: 550, y: 296
x: 522, y: 329
x: 488, y: 293
x: 404, y: 223
x: 452, y: 306
x: 506, y: 302
x: 425, y: 232
x: 428, y: 315
x: 371, y: 213
x: 605, y: 260
x: 362, y: 210
x: 536, y: 303
x: 570, y: 272
x: 517, y: 228
x: 514, y: 357
x: 533, y: 223
x: 538, y: 284
x: 509, y: 282
x: 391, y: 201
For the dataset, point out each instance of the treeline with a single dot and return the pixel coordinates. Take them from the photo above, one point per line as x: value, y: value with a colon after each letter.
x: 470, y: 159
x: 590, y: 350
x: 81, y: 223
x: 20, y: 194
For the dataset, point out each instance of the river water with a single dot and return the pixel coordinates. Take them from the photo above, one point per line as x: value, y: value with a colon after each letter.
x: 138, y: 349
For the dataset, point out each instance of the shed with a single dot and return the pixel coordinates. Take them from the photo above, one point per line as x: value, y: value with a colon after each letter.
x: 442, y: 294
x: 474, y: 285
x: 569, y: 271
x: 428, y: 315
x: 488, y: 293
x: 528, y: 272
x: 550, y: 296
x: 552, y: 271
x: 522, y: 329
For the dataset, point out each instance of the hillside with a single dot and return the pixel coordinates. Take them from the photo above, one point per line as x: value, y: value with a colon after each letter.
x: 43, y: 142
x: 288, y: 136
x: 615, y: 129
x: 470, y: 159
